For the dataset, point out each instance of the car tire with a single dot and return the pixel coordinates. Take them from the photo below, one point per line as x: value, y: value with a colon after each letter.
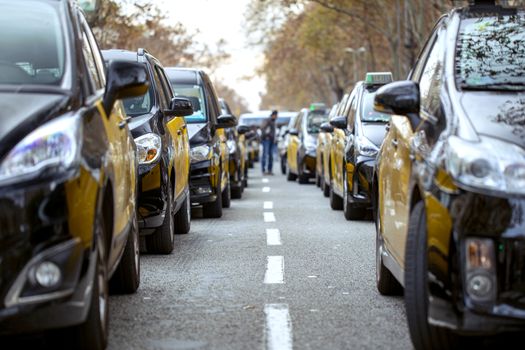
x: 162, y: 240
x: 350, y: 211
x: 245, y: 183
x: 183, y: 217
x: 290, y: 176
x: 303, y: 179
x: 92, y: 334
x: 283, y: 165
x: 317, y: 179
x: 326, y: 189
x: 423, y: 334
x: 126, y: 279
x: 236, y: 192
x: 227, y: 196
x: 213, y: 209
x: 336, y: 202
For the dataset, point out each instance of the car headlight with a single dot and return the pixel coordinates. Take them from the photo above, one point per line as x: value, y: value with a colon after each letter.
x: 365, y: 147
x: 200, y: 153
x: 52, y: 148
x: 490, y: 164
x: 232, y: 147
x: 149, y: 148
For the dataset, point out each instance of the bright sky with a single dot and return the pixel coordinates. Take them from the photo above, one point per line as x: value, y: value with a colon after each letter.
x: 215, y: 20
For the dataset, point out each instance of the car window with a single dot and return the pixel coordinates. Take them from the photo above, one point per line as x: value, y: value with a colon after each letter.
x: 298, y: 121
x: 431, y: 80
x: 94, y: 79
x: 314, y: 121
x: 97, y: 56
x: 368, y: 114
x: 32, y: 43
x: 491, y: 53
x: 160, y: 90
x: 194, y: 93
x: 165, y: 83
x: 351, y: 114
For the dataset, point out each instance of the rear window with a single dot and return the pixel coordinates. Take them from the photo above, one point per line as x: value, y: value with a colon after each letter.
x: 32, y: 43
x: 140, y: 105
x: 195, y: 94
x: 491, y: 53
x: 314, y: 121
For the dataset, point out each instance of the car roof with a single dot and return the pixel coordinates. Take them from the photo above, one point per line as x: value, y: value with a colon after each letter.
x: 116, y: 54
x: 184, y: 75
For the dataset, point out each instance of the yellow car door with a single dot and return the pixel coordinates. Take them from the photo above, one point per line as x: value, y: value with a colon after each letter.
x: 338, y: 160
x: 395, y: 169
x: 177, y: 129
x: 221, y: 134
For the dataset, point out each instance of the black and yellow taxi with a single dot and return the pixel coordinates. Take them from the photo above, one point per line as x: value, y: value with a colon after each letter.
x: 157, y: 124
x: 236, y: 143
x: 302, y: 144
x: 209, y: 155
x: 365, y: 130
x: 324, y: 142
x: 68, y: 223
x: 451, y: 181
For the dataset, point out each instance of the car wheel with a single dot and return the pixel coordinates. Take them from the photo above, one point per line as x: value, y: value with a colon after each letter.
x: 283, y: 165
x: 236, y: 192
x: 317, y: 179
x: 213, y: 209
x: 183, y: 217
x: 351, y: 212
x: 162, y: 240
x: 423, y: 334
x: 304, y: 179
x: 336, y: 202
x: 290, y: 176
x: 245, y: 182
x: 93, y: 333
x: 326, y: 188
x: 227, y: 196
x: 126, y: 279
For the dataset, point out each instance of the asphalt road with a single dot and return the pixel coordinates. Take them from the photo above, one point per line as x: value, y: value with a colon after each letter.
x: 224, y: 287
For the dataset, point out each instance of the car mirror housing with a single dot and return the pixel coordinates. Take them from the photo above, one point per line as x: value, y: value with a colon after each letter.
x: 226, y: 121
x: 326, y: 127
x: 338, y: 122
x: 401, y: 97
x: 179, y: 107
x: 243, y: 129
x: 124, y: 79
x: 293, y: 132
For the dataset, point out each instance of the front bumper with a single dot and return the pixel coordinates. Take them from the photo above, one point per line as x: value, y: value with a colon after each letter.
x: 203, y: 182
x: 454, y: 216
x: 51, y: 222
x: 152, y: 199
x: 362, y: 179
x: 307, y: 164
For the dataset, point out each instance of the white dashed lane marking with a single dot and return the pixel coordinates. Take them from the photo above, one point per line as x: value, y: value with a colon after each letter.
x: 278, y: 327
x: 274, y: 270
x: 269, y: 217
x: 265, y: 181
x: 268, y: 205
x: 273, y: 236
x: 266, y: 189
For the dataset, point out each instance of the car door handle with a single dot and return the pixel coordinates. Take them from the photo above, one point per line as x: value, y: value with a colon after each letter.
x: 394, y: 143
x: 387, y: 127
x: 179, y: 132
x: 123, y: 123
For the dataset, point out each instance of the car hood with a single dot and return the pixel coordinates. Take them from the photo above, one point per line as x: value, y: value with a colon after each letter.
x: 198, y: 133
x: 496, y: 114
x: 21, y: 113
x: 375, y: 132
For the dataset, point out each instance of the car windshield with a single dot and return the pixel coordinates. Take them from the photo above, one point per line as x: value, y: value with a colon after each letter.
x: 252, y: 121
x: 140, y: 105
x: 314, y: 121
x: 368, y: 114
x: 32, y: 43
x: 195, y: 94
x: 491, y: 53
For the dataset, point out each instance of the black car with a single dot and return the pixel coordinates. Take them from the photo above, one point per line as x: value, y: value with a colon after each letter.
x: 209, y: 174
x: 159, y: 129
x: 68, y: 222
x: 450, y: 198
x: 365, y: 130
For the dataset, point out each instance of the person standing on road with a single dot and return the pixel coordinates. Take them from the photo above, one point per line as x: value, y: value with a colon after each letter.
x: 268, y: 141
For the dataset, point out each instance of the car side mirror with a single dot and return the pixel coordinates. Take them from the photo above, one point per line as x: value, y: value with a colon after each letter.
x: 339, y: 122
x: 293, y: 132
x: 179, y: 107
x: 243, y: 129
x: 326, y: 127
x: 124, y: 79
x: 401, y: 97
x: 226, y: 121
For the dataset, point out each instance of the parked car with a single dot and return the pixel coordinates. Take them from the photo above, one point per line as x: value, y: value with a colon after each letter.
x: 67, y: 176
x: 254, y: 122
x: 237, y: 154
x: 450, y: 193
x: 282, y: 142
x: 209, y: 169
x: 302, y: 147
x: 324, y: 142
x: 365, y: 130
x: 158, y: 127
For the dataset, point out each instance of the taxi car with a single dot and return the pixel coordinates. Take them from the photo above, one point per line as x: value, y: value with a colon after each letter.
x: 158, y: 127
x: 365, y: 130
x: 324, y: 141
x: 209, y: 155
x: 67, y: 175
x: 302, y: 145
x: 237, y: 154
x: 451, y: 174
x: 282, y: 142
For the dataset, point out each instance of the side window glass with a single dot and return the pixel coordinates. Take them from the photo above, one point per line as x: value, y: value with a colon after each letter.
x: 431, y: 81
x: 91, y: 67
x: 99, y: 62
x: 351, y: 116
x: 165, y: 82
x: 160, y: 90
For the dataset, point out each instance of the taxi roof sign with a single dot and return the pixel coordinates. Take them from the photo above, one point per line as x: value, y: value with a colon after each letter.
x: 89, y: 5
x: 317, y: 106
x: 378, y: 78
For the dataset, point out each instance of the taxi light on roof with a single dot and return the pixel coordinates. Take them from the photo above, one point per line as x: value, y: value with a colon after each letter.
x: 378, y: 78
x: 89, y: 5
x: 317, y: 106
